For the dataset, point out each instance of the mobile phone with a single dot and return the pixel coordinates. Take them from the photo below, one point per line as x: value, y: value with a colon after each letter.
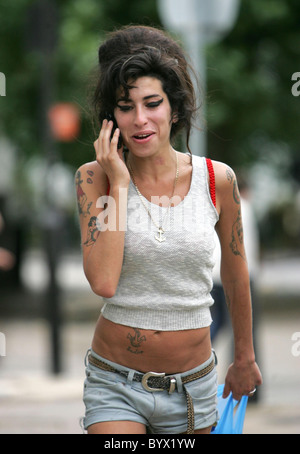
x: 110, y: 117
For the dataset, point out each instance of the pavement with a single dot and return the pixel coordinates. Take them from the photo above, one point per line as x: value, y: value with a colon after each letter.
x: 35, y: 401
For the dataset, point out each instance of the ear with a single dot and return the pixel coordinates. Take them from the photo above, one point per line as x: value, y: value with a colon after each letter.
x: 174, y: 118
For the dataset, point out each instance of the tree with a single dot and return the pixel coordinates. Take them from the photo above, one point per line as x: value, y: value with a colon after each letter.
x: 252, y: 115
x: 250, y: 104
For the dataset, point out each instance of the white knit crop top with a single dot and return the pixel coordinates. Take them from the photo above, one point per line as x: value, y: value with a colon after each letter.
x: 166, y: 285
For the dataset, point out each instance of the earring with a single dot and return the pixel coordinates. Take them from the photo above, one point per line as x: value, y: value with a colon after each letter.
x: 175, y: 117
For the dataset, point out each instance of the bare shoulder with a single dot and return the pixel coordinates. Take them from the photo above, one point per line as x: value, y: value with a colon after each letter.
x: 227, y: 192
x: 223, y: 173
x: 91, y: 173
x: 225, y: 179
x: 91, y: 168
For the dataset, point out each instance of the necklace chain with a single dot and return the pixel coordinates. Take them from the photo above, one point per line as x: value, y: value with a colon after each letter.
x: 159, y: 236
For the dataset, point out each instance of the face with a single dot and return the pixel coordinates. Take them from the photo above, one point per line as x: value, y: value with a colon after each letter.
x: 145, y: 118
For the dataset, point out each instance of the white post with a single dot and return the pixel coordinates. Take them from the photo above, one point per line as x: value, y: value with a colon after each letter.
x: 195, y: 48
x: 2, y: 85
x: 2, y: 345
x: 199, y: 22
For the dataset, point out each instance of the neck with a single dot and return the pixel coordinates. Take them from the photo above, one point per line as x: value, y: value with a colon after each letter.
x: 152, y: 167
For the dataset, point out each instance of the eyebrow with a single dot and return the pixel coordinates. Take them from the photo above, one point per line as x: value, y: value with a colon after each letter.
x: 125, y: 99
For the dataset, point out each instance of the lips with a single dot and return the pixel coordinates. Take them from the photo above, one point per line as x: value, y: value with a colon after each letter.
x: 142, y: 136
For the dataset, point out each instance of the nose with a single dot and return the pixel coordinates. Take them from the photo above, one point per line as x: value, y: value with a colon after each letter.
x: 140, y: 116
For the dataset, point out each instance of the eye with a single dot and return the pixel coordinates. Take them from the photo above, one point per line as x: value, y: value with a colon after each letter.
x: 124, y: 108
x: 154, y: 103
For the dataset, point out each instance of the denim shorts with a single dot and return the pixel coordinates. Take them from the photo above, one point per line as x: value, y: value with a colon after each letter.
x: 111, y: 396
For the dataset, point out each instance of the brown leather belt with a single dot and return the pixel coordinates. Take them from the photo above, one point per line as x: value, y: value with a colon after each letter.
x: 153, y: 382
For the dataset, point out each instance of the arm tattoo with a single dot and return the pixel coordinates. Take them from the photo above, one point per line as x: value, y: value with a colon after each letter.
x: 229, y: 175
x: 82, y: 202
x: 236, y: 195
x: 230, y: 178
x: 89, y: 179
x: 92, y: 233
x: 237, y: 239
x: 135, y: 342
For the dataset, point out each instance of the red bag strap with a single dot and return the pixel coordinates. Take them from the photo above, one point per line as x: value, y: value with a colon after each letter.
x: 212, y: 183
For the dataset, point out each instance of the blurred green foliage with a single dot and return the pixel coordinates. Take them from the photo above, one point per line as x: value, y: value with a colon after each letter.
x: 79, y: 29
x: 252, y: 115
x: 249, y: 100
x: 250, y: 103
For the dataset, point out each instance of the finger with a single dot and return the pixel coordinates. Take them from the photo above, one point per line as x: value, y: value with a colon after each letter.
x: 251, y: 393
x: 226, y: 391
x: 106, y: 135
x: 99, y: 140
x: 102, y: 144
x: 102, y: 130
x: 115, y: 141
x: 237, y: 396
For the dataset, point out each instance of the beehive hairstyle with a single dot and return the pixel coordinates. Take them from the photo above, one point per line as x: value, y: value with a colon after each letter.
x: 138, y: 51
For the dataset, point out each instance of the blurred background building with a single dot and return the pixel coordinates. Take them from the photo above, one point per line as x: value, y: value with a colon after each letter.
x: 48, y: 54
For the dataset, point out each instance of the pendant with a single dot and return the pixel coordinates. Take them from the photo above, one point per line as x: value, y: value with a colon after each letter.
x: 159, y: 237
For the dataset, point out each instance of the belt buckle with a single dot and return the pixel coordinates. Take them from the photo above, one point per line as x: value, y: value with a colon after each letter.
x: 146, y: 378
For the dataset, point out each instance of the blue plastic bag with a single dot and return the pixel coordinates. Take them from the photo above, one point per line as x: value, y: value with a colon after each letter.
x: 231, y: 419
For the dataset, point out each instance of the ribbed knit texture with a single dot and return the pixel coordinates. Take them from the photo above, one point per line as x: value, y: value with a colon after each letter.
x: 166, y: 286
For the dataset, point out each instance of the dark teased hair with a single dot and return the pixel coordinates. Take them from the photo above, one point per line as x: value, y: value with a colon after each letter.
x: 138, y: 51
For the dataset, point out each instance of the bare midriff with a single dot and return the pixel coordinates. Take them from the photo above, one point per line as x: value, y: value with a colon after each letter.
x: 148, y: 350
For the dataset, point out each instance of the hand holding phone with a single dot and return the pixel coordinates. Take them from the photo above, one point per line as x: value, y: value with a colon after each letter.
x: 109, y: 154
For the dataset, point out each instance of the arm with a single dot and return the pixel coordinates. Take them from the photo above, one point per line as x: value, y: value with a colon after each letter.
x: 102, y: 244
x: 243, y: 375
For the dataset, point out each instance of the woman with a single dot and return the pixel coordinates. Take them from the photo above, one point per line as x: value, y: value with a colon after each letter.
x: 147, y: 226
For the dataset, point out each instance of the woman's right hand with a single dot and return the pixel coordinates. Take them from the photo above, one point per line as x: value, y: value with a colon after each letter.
x: 109, y: 157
